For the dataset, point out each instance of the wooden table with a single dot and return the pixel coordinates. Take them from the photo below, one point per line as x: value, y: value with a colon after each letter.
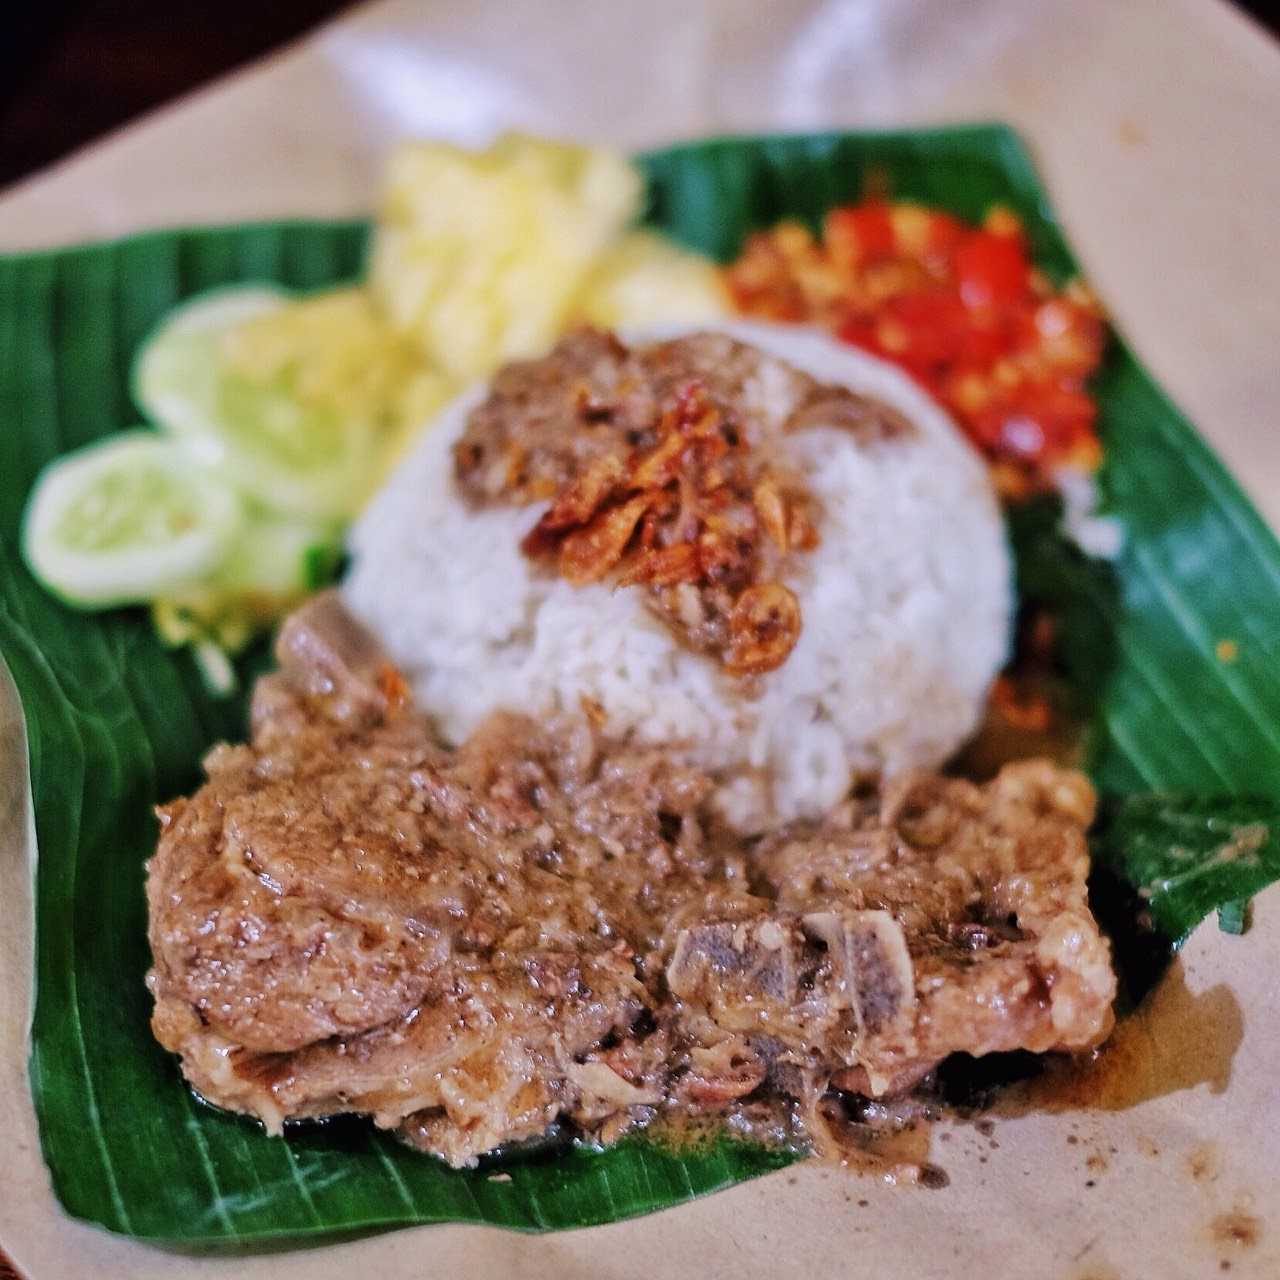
x: 82, y: 67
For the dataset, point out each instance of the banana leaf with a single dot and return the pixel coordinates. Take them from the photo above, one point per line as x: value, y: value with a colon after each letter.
x: 116, y: 722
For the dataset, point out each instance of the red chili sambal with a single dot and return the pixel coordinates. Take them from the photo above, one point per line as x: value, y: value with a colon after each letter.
x: 959, y: 307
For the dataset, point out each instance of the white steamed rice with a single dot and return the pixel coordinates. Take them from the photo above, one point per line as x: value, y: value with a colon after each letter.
x: 905, y: 608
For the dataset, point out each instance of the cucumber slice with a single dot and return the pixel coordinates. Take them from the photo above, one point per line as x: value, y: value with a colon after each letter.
x: 273, y: 562
x: 300, y: 458
x: 278, y: 560
x: 125, y: 520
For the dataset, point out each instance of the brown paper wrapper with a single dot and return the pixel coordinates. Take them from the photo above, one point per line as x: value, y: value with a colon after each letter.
x: 1154, y: 123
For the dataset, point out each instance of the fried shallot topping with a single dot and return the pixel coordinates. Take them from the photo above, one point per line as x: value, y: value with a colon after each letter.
x: 662, y: 471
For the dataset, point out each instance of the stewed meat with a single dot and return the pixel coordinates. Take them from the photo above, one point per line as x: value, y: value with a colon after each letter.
x: 466, y: 945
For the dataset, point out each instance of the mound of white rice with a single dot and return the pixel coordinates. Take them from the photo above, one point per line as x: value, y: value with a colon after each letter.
x: 905, y: 608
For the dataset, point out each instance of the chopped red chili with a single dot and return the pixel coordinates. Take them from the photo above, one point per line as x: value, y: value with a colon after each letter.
x: 961, y: 308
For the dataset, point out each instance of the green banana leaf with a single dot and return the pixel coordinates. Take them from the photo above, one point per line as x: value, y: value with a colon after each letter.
x: 116, y: 722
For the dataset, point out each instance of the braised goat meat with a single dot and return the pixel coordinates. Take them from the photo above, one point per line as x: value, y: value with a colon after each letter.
x: 469, y: 944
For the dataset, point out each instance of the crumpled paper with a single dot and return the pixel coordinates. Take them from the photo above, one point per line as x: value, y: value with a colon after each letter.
x: 1151, y: 121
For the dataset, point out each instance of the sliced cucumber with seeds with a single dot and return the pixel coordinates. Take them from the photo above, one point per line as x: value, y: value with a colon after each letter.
x: 273, y: 562
x: 279, y: 559
x: 299, y: 456
x: 128, y: 519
